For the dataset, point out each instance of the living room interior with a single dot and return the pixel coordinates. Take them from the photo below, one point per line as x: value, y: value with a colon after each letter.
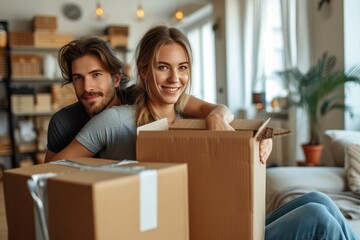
x: 304, y: 33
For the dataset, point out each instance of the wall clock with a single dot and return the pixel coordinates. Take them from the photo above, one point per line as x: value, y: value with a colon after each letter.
x: 72, y: 11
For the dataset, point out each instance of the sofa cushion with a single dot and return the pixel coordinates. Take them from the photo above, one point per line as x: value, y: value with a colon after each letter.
x: 280, y: 180
x: 352, y: 166
x: 337, y: 140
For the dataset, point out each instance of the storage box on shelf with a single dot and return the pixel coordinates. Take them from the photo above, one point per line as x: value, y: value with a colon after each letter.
x: 44, y: 23
x: 21, y: 39
x: 51, y: 39
x: 117, y: 36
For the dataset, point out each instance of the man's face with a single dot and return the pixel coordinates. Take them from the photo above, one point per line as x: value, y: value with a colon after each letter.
x: 93, y: 84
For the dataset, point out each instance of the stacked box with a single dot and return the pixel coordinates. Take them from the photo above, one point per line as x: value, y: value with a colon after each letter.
x: 22, y: 103
x: 21, y: 39
x: 44, y: 23
x: 5, y: 146
x: 3, y: 38
x: 89, y: 198
x: 26, y: 65
x: 3, y: 63
x: 118, y: 36
x: 43, y: 102
x: 51, y: 39
x: 62, y: 95
x: 117, y: 30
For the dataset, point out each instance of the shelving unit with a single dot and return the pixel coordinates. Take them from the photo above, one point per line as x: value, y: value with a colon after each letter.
x: 31, y: 92
x: 7, y: 143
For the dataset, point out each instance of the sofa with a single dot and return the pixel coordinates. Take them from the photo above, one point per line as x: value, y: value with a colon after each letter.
x: 338, y: 177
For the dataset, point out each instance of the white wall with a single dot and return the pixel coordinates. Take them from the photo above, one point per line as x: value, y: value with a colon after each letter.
x: 327, y: 35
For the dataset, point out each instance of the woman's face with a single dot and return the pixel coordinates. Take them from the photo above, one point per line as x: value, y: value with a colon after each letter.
x: 171, y: 74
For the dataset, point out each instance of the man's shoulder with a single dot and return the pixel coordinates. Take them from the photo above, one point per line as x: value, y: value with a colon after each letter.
x: 128, y: 96
x: 73, y: 110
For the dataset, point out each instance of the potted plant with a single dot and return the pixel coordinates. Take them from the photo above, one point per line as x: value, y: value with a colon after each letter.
x: 314, y: 91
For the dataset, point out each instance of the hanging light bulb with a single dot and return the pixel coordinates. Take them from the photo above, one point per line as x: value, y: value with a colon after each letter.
x: 99, y: 11
x: 179, y: 15
x: 140, y: 12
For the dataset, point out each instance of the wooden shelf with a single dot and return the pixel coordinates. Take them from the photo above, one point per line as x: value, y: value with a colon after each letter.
x: 34, y: 79
x: 34, y: 114
x: 30, y: 49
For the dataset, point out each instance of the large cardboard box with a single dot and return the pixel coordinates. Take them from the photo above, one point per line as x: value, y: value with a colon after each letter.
x: 100, y: 204
x: 226, y: 178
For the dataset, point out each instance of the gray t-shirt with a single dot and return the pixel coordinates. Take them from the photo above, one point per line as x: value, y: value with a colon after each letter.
x: 112, y: 133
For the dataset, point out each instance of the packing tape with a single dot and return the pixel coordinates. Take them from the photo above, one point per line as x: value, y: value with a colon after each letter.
x: 148, y: 206
x: 37, y: 185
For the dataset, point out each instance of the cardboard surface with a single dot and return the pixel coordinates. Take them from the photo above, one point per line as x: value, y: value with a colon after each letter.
x: 226, y: 178
x: 98, y: 204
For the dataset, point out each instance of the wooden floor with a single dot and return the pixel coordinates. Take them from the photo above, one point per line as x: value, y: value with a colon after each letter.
x: 3, y: 225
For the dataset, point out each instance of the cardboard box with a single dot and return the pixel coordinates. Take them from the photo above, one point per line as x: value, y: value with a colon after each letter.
x: 118, y: 40
x: 226, y: 178
x: 22, y: 103
x: 21, y: 39
x: 117, y: 30
x: 100, y: 204
x: 52, y: 40
x: 44, y: 23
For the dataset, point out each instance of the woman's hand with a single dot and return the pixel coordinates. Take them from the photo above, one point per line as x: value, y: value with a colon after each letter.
x: 265, y: 149
x: 217, y: 122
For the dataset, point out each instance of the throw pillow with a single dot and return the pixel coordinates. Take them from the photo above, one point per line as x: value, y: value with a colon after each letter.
x: 337, y: 140
x: 352, y: 166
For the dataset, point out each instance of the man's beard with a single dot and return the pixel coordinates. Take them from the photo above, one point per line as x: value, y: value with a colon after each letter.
x: 94, y: 108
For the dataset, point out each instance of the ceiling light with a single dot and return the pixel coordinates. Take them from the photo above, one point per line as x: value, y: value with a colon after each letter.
x: 140, y: 12
x: 99, y: 11
x: 179, y: 15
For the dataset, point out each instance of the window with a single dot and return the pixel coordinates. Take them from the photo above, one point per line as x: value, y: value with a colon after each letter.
x: 198, y: 27
x: 273, y: 51
x: 203, y: 78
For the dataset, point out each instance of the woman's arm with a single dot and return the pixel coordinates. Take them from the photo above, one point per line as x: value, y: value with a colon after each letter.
x: 217, y: 116
x: 74, y: 149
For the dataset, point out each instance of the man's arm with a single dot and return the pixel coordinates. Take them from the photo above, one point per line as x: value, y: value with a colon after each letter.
x: 49, y: 155
x: 218, y: 116
x: 74, y: 149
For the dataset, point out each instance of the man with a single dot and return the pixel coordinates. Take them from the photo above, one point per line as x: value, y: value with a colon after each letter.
x: 100, y: 83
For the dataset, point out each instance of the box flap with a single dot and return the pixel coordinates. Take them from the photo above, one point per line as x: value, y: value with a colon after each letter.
x: 263, y: 131
x: 159, y: 125
x: 238, y: 124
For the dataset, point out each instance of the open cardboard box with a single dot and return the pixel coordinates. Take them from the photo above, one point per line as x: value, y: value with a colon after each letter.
x: 85, y: 202
x: 226, y: 178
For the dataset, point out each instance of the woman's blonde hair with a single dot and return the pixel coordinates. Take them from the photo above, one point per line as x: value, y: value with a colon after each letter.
x: 146, y: 59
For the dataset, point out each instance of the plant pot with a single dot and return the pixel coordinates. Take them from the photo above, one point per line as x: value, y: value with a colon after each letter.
x: 312, y: 153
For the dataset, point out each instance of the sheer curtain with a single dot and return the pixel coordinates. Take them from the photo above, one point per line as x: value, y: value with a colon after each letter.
x: 254, y: 22
x: 294, y: 50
